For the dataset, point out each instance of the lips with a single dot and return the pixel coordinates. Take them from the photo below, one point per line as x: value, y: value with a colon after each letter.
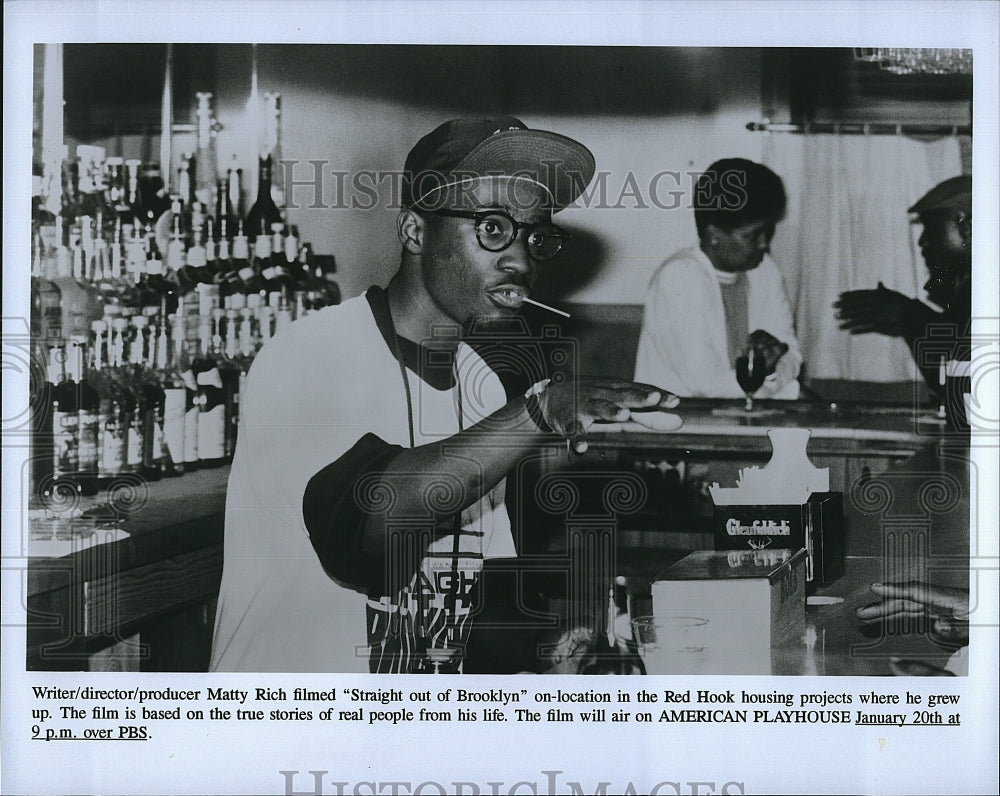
x: 507, y: 296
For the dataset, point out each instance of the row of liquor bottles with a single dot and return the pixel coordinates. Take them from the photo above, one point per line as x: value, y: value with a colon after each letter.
x: 147, y: 331
x: 80, y: 268
x: 73, y: 287
x: 140, y: 396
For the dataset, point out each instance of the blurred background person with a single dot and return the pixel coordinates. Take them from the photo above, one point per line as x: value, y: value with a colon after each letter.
x: 946, y: 245
x: 710, y: 304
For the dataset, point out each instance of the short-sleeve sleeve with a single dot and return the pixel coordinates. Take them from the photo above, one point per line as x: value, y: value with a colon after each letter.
x: 335, y: 515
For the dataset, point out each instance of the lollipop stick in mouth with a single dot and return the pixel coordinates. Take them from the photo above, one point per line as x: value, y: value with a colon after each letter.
x: 545, y: 307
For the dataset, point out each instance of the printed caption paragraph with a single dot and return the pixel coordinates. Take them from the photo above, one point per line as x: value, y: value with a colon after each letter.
x: 92, y: 714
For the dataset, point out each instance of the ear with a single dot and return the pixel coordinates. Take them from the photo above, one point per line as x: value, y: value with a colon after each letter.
x: 711, y: 236
x: 964, y: 223
x: 410, y: 230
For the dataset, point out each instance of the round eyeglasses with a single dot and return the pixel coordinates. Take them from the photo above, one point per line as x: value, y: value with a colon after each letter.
x: 496, y: 230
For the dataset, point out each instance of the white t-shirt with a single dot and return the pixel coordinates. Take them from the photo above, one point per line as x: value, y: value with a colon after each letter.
x: 683, y: 345
x: 313, y: 391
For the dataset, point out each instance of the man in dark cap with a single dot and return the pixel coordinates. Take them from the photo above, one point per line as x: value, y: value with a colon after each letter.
x: 946, y: 245
x: 368, y: 480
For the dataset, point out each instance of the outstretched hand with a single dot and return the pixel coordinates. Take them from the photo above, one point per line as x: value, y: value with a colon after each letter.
x: 573, y: 407
x: 946, y: 608
x: 881, y: 310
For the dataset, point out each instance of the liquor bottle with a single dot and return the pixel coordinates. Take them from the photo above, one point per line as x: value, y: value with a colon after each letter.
x: 263, y: 212
x: 234, y: 194
x: 90, y: 179
x: 229, y: 371
x: 88, y: 419
x: 65, y: 424
x: 277, y: 278
x: 111, y: 423
x: 272, y: 144
x: 211, y: 251
x: 291, y: 248
x: 211, y: 399
x: 117, y: 266
x: 116, y: 181
x: 133, y: 397
x: 158, y: 282
x: 133, y: 200
x: 70, y: 202
x: 49, y: 295
x: 153, y: 197
x: 154, y: 403
x: 92, y: 274
x: 246, y: 272
x: 283, y: 313
x: 207, y: 155
x: 135, y: 255
x: 224, y: 264
x: 42, y: 468
x: 174, y: 399
x: 186, y: 179
x: 192, y: 407
x: 73, y: 296
x: 221, y: 203
x: 176, y: 249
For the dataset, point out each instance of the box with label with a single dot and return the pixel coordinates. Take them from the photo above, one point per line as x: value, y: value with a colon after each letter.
x: 752, y: 600
x: 817, y: 526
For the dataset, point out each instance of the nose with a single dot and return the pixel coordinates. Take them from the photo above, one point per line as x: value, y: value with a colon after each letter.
x: 515, y: 258
x: 923, y: 240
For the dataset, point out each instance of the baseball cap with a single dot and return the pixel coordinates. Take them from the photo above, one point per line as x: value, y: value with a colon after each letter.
x: 464, y: 149
x: 952, y: 194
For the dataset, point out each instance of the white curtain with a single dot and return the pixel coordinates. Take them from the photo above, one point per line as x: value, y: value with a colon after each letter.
x: 847, y: 229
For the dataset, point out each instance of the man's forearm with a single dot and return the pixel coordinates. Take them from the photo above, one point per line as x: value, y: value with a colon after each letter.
x: 433, y: 482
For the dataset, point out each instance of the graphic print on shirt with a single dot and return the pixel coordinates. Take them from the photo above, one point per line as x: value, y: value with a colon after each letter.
x: 424, y: 626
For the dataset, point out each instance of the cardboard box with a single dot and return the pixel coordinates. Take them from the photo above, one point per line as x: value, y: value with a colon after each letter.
x: 752, y: 599
x: 817, y: 526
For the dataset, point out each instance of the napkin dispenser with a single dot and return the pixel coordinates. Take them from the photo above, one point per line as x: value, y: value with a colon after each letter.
x: 752, y: 599
x: 816, y: 526
x: 785, y: 505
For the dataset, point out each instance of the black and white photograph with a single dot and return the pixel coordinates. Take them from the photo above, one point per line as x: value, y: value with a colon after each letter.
x: 348, y: 343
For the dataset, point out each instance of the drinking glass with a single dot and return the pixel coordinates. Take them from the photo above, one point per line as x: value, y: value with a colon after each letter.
x: 671, y: 644
x: 750, y: 373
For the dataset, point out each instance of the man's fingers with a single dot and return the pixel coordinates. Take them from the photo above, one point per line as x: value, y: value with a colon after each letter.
x: 645, y: 421
x: 891, y: 607
x: 604, y: 409
x: 927, y: 594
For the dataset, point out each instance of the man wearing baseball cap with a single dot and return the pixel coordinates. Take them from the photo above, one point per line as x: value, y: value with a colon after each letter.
x: 368, y: 481
x: 946, y: 245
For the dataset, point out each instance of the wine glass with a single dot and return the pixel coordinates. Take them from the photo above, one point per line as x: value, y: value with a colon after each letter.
x: 750, y: 373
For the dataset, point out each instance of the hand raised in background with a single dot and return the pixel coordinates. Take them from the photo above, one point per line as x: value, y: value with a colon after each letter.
x: 880, y: 311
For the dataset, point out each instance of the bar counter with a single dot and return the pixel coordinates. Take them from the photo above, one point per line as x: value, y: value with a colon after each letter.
x: 146, y: 602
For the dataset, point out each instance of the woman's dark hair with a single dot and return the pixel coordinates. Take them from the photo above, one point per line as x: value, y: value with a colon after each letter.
x: 735, y: 191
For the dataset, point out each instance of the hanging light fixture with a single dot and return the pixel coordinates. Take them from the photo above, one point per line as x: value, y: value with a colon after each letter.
x: 914, y: 60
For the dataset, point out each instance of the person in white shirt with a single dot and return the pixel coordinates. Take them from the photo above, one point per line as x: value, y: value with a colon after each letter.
x: 709, y: 304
